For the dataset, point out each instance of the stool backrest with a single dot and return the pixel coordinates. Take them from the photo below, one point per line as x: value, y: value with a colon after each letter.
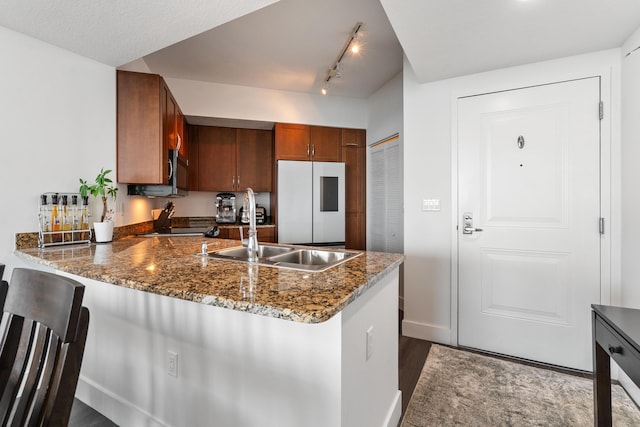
x: 43, y: 337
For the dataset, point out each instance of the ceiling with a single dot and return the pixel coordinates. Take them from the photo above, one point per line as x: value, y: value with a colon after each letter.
x: 449, y: 38
x: 290, y: 44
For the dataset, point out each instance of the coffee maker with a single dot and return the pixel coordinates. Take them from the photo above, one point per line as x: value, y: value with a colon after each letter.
x: 226, y: 208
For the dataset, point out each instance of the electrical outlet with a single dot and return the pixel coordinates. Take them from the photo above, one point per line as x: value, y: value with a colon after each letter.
x: 172, y: 364
x: 369, y: 342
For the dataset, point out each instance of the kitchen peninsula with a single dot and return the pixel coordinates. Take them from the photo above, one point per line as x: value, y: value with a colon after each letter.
x: 180, y: 339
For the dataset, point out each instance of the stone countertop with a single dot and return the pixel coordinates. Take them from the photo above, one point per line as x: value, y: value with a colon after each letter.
x: 170, y: 266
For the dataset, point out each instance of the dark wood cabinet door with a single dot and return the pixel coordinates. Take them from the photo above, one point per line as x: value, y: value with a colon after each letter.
x: 191, y: 133
x: 355, y: 231
x: 216, y: 158
x: 354, y: 157
x: 170, y: 121
x: 254, y: 159
x: 149, y: 122
x: 265, y: 234
x: 141, y: 158
x: 292, y: 142
x: 181, y: 130
x: 325, y: 143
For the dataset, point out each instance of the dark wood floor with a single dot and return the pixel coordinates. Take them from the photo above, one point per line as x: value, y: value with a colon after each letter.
x: 85, y: 416
x: 412, y: 354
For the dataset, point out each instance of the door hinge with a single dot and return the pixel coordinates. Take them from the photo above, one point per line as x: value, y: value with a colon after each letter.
x: 601, y: 109
x: 601, y: 225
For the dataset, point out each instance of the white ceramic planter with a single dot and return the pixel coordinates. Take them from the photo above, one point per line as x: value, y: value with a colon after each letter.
x: 103, y: 231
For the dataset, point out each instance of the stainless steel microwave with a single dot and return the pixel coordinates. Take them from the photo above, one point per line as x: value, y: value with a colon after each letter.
x: 177, y: 169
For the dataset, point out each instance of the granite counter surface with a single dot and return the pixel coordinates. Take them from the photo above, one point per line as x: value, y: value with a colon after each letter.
x: 170, y: 266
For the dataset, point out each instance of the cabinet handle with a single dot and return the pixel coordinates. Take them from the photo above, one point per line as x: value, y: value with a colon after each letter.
x: 238, y: 183
x: 613, y: 349
x: 233, y: 182
x: 351, y: 144
x: 308, y: 150
x: 313, y: 150
x: 170, y: 169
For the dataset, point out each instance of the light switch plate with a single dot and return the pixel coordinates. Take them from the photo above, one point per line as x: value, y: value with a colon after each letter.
x: 431, y: 205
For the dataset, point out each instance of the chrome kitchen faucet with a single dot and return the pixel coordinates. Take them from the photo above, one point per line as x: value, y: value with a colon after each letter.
x: 252, y: 240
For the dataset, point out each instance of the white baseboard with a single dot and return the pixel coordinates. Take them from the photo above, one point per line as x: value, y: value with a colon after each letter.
x: 426, y: 332
x: 114, y: 407
x: 395, y: 411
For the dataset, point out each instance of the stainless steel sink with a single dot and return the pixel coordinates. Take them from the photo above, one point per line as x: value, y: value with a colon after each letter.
x: 290, y: 257
x: 311, y: 257
x: 264, y: 251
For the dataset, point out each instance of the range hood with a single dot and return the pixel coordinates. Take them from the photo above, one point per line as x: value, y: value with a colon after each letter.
x: 177, y: 170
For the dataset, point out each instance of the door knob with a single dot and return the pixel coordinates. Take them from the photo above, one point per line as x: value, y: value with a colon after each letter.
x: 467, y: 227
x: 470, y: 230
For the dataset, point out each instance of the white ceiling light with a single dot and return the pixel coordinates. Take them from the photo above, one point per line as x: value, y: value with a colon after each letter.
x: 353, y: 44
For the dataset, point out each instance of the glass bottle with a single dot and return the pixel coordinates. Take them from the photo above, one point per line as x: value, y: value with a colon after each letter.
x: 65, y: 219
x: 55, y: 219
x: 75, y: 218
x: 84, y: 218
x: 45, y: 219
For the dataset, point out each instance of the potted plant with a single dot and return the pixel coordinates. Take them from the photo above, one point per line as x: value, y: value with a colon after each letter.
x: 101, y: 188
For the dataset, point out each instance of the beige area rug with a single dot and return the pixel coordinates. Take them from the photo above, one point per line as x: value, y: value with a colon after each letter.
x: 460, y: 388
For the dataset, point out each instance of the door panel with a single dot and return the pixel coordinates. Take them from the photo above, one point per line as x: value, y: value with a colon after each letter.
x: 525, y: 285
x: 508, y: 169
x: 529, y: 176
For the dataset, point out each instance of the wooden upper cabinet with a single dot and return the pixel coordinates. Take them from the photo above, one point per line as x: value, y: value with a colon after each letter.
x: 326, y: 144
x: 311, y: 143
x: 141, y: 157
x: 193, y: 156
x: 254, y: 159
x: 216, y: 158
x: 232, y: 159
x: 147, y: 128
x: 181, y: 131
x: 292, y: 142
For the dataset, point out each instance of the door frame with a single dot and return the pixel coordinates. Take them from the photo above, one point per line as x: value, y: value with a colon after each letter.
x: 608, y: 255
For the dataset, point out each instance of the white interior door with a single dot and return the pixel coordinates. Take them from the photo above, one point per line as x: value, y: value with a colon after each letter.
x: 529, y: 176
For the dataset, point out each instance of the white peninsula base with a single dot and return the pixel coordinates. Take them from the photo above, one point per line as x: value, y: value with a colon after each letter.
x: 237, y: 369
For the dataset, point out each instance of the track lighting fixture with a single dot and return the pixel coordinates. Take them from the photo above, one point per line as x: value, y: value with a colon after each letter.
x: 353, y: 44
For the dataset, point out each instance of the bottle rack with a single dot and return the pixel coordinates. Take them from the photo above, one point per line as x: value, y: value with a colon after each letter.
x: 62, y: 223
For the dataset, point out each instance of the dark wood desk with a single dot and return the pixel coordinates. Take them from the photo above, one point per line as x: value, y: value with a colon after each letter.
x: 616, y: 334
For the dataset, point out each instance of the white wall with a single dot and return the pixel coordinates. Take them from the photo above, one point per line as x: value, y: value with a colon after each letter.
x: 241, y: 102
x: 384, y: 111
x: 384, y: 119
x: 58, y: 122
x: 428, y: 129
x: 630, y: 172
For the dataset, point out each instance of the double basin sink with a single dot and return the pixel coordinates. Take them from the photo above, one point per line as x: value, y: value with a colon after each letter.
x: 291, y: 257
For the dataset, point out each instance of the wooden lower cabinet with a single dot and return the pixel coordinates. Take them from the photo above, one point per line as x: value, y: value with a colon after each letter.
x: 265, y: 234
x: 355, y: 231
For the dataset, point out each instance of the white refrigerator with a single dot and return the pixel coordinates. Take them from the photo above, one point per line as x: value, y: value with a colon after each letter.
x: 311, y: 202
